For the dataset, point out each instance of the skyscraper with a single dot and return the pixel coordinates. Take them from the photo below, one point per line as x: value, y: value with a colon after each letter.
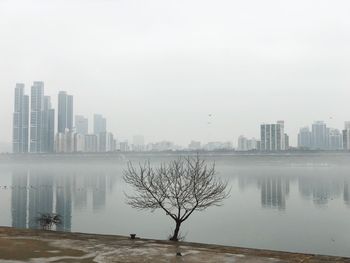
x: 272, y: 137
x: 319, y: 135
x: 346, y: 136
x: 100, y: 124
x: 65, y: 112
x: 20, y: 121
x: 48, y: 127
x: 81, y: 125
x: 304, y: 138
x: 37, y: 104
x: 335, y: 139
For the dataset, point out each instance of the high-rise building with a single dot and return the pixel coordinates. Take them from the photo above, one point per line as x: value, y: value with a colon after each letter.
x: 106, y: 142
x: 48, y: 127
x: 124, y: 146
x: 242, y: 144
x: 283, y: 136
x: 335, y: 139
x: 286, y: 141
x: 346, y: 136
x: 20, y: 133
x: 79, y: 142
x: 304, y: 138
x: 100, y: 124
x: 245, y: 144
x: 319, y: 135
x: 272, y: 137
x: 91, y: 143
x: 37, y: 105
x: 65, y: 112
x: 81, y: 125
x: 65, y: 142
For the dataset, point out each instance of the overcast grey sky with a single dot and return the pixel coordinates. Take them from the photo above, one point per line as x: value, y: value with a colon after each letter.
x: 159, y: 67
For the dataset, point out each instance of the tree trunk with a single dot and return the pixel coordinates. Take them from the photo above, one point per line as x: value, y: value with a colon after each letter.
x: 175, y: 236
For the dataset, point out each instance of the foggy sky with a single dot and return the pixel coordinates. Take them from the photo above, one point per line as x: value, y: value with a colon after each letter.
x: 159, y: 67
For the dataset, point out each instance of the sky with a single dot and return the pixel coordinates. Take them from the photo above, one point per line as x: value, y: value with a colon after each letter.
x: 160, y: 67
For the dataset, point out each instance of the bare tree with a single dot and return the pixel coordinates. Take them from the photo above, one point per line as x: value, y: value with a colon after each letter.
x: 179, y: 188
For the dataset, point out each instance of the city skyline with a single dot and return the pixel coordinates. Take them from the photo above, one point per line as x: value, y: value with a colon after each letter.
x: 73, y: 131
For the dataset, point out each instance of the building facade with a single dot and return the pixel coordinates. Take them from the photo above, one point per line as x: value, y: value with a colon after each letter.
x: 100, y: 124
x: 81, y: 125
x: 36, y: 106
x: 20, y: 133
x: 272, y: 137
x: 65, y: 112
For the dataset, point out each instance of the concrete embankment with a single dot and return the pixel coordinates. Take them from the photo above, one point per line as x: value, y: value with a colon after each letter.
x: 19, y: 245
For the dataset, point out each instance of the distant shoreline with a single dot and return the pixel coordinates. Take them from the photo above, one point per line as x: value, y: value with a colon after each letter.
x: 123, y: 156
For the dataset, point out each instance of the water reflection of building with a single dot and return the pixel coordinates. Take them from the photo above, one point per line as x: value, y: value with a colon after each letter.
x: 80, y: 192
x: 40, y: 196
x: 19, y: 198
x: 273, y: 192
x: 320, y: 189
x: 39, y: 191
x: 99, y: 192
x: 346, y: 193
x: 64, y: 202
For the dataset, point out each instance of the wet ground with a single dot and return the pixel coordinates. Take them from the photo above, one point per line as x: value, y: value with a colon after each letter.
x: 18, y: 245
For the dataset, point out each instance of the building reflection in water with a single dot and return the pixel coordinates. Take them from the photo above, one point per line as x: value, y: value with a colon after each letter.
x: 39, y: 191
x: 19, y: 198
x: 273, y: 192
x: 346, y: 193
x: 64, y: 201
x: 321, y: 189
x: 40, y: 196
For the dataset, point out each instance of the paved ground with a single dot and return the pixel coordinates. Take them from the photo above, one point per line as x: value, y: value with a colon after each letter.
x: 17, y: 245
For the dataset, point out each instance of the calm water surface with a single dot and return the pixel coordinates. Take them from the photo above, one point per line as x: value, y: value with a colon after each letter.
x: 297, y: 204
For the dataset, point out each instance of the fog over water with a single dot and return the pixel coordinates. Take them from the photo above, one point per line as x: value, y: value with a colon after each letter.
x: 291, y: 203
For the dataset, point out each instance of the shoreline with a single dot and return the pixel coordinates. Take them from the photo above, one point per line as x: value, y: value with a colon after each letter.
x: 81, y: 247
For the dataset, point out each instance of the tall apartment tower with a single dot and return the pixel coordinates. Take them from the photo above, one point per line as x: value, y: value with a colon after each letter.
x: 346, y: 136
x: 20, y: 121
x: 319, y: 135
x: 37, y: 106
x: 48, y: 127
x: 81, y: 125
x: 65, y: 112
x: 272, y: 137
x: 304, y: 138
x: 100, y: 124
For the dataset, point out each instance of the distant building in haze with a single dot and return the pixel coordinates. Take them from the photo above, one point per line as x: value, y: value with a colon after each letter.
x: 194, y: 146
x: 106, y: 142
x: 138, y: 144
x: 20, y: 133
x: 304, y: 138
x: 346, y: 136
x: 319, y: 136
x: 48, y: 127
x: 335, y: 139
x: 81, y: 125
x: 124, y: 146
x: 272, y: 137
x: 100, y: 124
x: 37, y: 106
x: 91, y: 143
x: 245, y: 144
x: 65, y: 112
